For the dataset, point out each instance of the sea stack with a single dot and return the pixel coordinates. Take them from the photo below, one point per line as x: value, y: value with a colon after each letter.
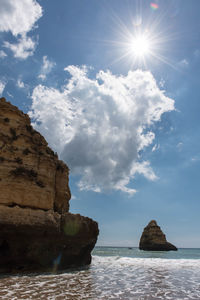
x: 153, y: 239
x: 37, y: 231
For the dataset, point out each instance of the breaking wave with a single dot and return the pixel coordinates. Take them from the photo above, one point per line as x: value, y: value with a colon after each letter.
x: 111, y: 277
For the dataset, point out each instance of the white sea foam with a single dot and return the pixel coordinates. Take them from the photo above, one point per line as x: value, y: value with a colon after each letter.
x: 147, y: 262
x: 112, y: 277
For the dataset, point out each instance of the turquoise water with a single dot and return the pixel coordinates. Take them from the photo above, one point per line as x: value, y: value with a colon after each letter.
x: 182, y: 253
x: 115, y: 273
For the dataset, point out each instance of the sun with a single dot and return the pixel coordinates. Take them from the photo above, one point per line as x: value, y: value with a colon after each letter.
x: 142, y: 43
x: 140, y: 46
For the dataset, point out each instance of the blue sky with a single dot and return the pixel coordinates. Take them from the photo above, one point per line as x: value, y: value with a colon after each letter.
x: 123, y: 114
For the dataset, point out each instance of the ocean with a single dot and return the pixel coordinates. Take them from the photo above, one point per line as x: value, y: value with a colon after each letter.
x: 115, y: 273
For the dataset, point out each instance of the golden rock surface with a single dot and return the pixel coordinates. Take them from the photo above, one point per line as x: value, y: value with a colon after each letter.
x: 30, y: 173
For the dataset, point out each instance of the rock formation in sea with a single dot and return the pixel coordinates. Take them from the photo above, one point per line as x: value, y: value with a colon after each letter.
x: 153, y: 239
x: 37, y: 232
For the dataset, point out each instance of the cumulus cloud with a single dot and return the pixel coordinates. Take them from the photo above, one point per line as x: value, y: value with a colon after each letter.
x: 99, y: 126
x: 2, y: 87
x: 24, y: 48
x: 46, y: 68
x: 19, y: 17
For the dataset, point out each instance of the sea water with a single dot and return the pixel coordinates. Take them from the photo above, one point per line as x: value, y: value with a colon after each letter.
x: 115, y: 273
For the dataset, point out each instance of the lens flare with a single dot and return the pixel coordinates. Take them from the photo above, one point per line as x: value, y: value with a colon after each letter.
x: 154, y: 6
x: 56, y: 263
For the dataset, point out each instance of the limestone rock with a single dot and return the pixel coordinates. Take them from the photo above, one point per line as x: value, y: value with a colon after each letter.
x: 36, y: 228
x: 38, y: 179
x: 153, y: 239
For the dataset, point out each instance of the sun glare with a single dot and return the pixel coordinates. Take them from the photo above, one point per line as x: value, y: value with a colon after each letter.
x: 143, y: 43
x: 140, y: 46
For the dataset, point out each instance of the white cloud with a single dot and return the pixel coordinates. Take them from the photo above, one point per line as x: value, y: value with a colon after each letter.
x: 24, y: 48
x: 19, y: 17
x: 155, y: 147
x: 2, y: 54
x: 46, y: 68
x: 144, y: 169
x: 98, y: 126
x: 20, y: 84
x: 10, y: 95
x: 2, y: 87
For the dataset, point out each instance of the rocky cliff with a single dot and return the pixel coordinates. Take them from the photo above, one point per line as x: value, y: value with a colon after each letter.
x: 153, y: 239
x: 37, y: 231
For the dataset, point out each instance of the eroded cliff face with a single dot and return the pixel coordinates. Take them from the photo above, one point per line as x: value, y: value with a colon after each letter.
x: 36, y: 227
x: 30, y: 173
x: 153, y: 239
